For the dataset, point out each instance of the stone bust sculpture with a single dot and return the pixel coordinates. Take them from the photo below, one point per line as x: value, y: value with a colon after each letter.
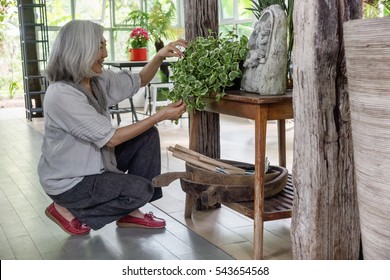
x: 266, y: 63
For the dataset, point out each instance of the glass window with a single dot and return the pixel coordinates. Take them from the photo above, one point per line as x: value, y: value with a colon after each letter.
x: 121, y: 8
x: 112, y: 13
x: 90, y: 10
x: 243, y: 12
x: 58, y: 12
x: 227, y: 9
x: 245, y: 29
x: 241, y: 28
x: 235, y: 14
x: 235, y: 10
x: 120, y: 30
x: 224, y: 29
x: 119, y: 51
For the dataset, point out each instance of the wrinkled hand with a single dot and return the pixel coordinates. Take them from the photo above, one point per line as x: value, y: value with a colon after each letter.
x: 172, y: 50
x: 172, y: 111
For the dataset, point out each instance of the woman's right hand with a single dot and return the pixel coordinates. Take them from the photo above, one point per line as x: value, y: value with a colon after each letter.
x: 172, y: 111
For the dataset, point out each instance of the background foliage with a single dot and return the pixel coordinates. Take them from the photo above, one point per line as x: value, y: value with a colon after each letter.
x: 10, y: 68
x: 376, y: 8
x: 233, y: 14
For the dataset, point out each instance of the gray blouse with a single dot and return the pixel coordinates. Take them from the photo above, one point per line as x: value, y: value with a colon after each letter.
x: 75, y: 131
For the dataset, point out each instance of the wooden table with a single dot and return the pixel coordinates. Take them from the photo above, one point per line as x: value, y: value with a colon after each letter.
x: 261, y: 109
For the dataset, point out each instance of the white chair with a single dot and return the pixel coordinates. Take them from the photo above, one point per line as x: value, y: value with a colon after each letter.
x: 151, y: 102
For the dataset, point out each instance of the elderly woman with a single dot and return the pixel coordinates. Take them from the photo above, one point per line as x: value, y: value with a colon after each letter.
x: 95, y: 173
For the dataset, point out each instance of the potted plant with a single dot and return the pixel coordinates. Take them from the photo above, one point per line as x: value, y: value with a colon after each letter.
x: 158, y: 21
x: 137, y: 44
x: 209, y: 66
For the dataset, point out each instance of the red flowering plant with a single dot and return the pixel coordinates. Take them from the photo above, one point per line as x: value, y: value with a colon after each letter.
x: 138, y: 38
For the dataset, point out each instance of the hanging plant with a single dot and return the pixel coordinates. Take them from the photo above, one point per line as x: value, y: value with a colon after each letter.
x: 210, y: 65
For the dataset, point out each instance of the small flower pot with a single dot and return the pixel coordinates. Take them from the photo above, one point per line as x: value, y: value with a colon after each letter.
x: 140, y: 54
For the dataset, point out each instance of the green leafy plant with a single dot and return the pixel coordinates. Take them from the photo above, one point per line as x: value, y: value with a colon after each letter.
x: 376, y: 8
x: 210, y: 65
x: 12, y: 88
x: 158, y: 21
x: 257, y: 8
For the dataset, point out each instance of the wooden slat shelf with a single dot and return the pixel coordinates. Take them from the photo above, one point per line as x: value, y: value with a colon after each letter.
x: 276, y: 207
x: 261, y: 109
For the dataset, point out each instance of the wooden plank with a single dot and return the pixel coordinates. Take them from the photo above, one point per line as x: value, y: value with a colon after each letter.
x: 275, y: 208
x: 245, y: 107
x: 254, y: 98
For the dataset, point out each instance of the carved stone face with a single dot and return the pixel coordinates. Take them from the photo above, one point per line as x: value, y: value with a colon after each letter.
x: 266, y: 63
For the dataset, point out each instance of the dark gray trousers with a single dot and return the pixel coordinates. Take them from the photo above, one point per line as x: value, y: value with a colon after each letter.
x: 103, y: 198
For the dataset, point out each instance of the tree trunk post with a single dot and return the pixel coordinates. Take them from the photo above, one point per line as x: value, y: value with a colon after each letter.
x: 325, y: 222
x: 200, y: 17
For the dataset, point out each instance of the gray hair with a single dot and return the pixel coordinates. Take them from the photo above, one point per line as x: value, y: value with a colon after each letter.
x: 74, y: 51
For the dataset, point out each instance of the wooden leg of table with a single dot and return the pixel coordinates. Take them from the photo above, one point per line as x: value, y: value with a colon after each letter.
x: 282, y: 142
x: 260, y: 140
x: 188, y: 206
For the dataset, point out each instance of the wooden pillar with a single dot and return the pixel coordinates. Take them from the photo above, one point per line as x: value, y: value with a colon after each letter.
x: 325, y: 223
x: 201, y: 16
x: 204, y: 130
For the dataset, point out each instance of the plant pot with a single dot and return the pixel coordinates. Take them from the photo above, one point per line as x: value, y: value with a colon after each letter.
x: 367, y: 51
x: 140, y: 54
x: 237, y: 81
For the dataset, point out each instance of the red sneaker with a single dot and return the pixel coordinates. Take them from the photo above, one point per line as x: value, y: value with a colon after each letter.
x: 73, y: 227
x: 149, y: 221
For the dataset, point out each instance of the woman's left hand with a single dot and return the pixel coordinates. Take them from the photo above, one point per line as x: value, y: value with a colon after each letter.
x: 173, y: 49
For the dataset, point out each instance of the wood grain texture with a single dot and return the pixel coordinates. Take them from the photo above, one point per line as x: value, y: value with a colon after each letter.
x: 200, y: 17
x: 368, y: 59
x: 325, y: 222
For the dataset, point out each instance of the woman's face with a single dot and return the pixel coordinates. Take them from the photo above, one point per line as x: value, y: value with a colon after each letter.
x: 97, y: 67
